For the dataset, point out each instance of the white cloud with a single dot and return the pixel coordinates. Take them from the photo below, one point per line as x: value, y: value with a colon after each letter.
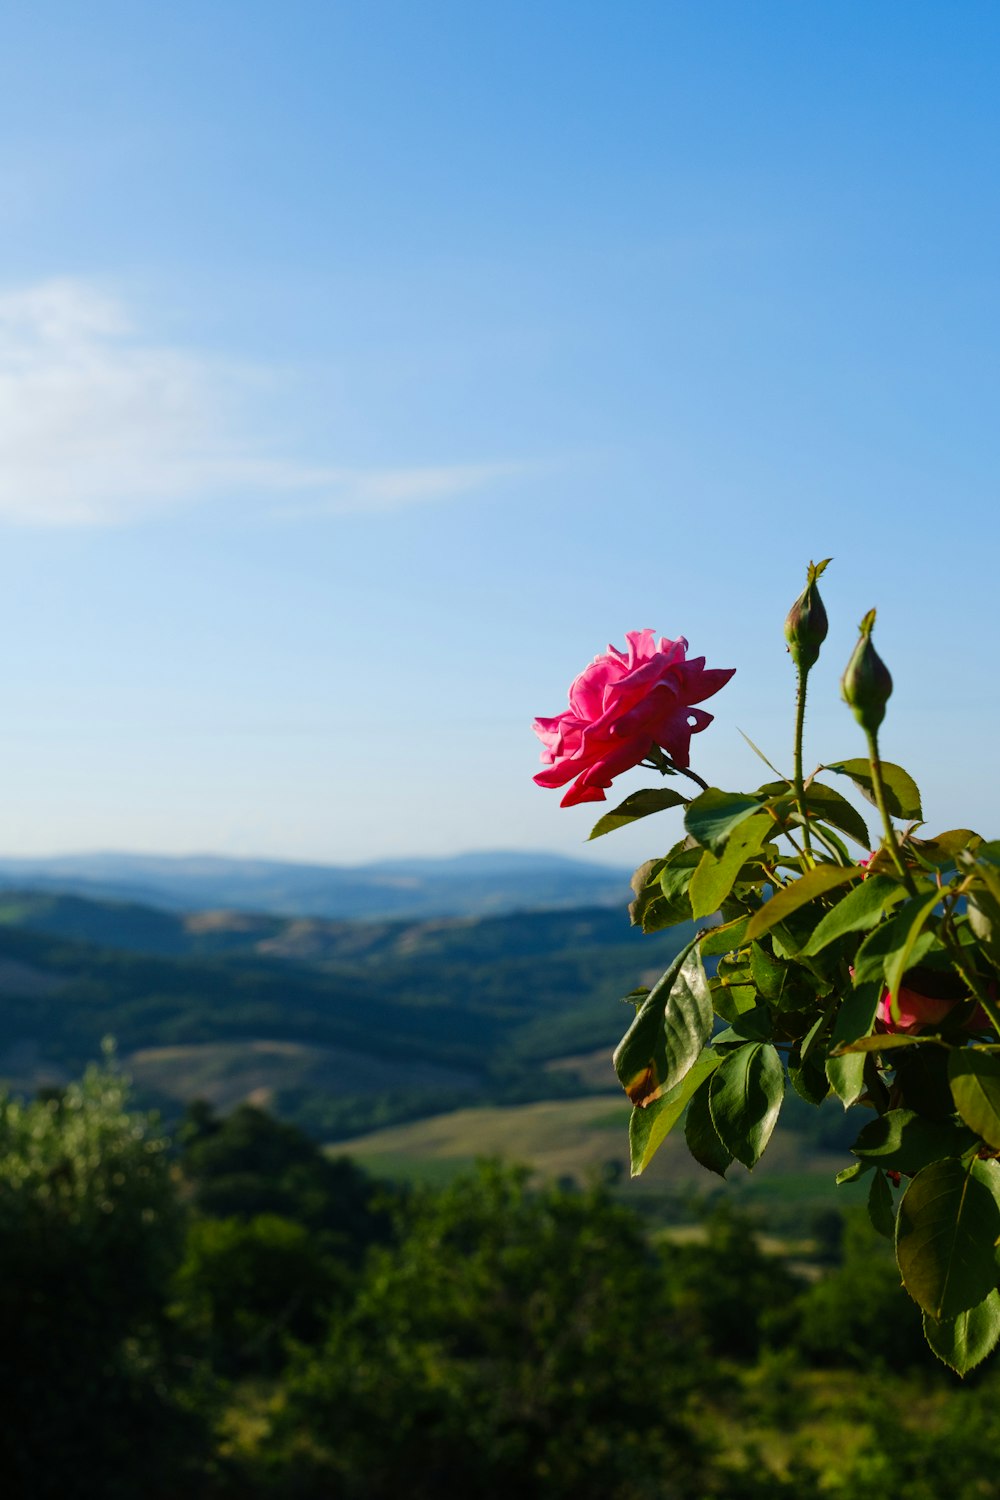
x: 99, y: 426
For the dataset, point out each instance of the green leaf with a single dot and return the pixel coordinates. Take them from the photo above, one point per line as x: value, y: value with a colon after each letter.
x: 975, y: 1088
x: 898, y: 962
x: 881, y: 1209
x: 768, y: 975
x: 901, y: 933
x: 901, y: 795
x: 745, y: 1097
x: 734, y: 1000
x: 645, y: 885
x: 712, y: 817
x: 856, y: 1015
x: 650, y: 1125
x: 903, y: 1141
x: 860, y: 909
x: 943, y: 848
x: 829, y: 805
x: 703, y: 1138
x: 866, y: 1044
x: 846, y: 1073
x: 750, y: 1025
x: 638, y: 805
x: 813, y: 883
x: 667, y: 1036
x: 724, y: 939
x: 964, y: 1342
x: 676, y: 875
x: 946, y: 1233
x: 716, y: 874
x: 786, y: 785
x: 651, y: 910
x: 983, y: 911
x: 853, y: 1172
x: 808, y: 1077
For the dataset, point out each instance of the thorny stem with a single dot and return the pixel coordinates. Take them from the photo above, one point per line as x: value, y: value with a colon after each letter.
x: 797, y: 781
x: 878, y: 786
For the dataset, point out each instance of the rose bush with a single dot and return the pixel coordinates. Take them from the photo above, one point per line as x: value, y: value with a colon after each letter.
x: 621, y: 707
x: 791, y: 949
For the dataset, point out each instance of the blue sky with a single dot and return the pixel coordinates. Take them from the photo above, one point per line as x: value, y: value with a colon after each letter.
x: 366, y: 368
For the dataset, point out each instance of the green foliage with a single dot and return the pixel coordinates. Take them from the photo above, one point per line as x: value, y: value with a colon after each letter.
x: 505, y: 1343
x: 639, y: 805
x: 855, y: 1315
x: 90, y: 1232
x: 669, y: 1031
x: 251, y: 1165
x: 946, y: 1235
x: 494, y: 1335
x: 744, y: 1098
x: 245, y: 1288
x: 831, y: 972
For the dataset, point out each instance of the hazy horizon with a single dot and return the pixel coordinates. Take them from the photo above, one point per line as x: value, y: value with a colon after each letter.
x: 413, y: 856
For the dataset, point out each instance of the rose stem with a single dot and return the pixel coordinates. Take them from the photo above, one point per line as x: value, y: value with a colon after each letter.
x: 878, y: 786
x: 798, y: 783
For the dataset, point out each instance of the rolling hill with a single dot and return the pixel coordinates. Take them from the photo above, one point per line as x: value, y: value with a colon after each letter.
x: 343, y: 1026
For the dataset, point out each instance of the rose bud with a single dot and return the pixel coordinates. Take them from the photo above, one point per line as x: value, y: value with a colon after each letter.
x: 806, y: 624
x: 866, y: 685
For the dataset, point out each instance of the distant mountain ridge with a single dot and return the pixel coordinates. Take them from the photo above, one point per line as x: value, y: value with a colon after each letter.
x: 490, y: 883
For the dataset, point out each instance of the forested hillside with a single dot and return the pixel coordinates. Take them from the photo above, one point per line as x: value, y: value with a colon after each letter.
x: 345, y: 1025
x: 230, y: 1314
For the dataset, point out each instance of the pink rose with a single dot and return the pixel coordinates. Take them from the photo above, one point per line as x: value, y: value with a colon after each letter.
x: 917, y: 1011
x: 619, y: 708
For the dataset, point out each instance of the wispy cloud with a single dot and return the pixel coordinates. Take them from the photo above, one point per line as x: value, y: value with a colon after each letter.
x: 98, y: 426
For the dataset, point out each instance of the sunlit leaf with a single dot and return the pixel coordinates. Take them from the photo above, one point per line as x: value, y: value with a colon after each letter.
x: 964, y: 1342
x: 946, y: 1234
x: 702, y: 1137
x: 650, y: 1125
x: 860, y: 909
x: 902, y: 933
x: 826, y: 803
x: 712, y: 817
x: 638, y: 805
x: 669, y: 1032
x: 745, y: 1097
x: 847, y: 1077
x: 901, y: 794
x: 716, y: 874
x: 901, y: 959
x: 903, y: 1141
x: 724, y: 939
x: 813, y: 883
x: 886, y: 1043
x: 856, y: 1015
x: 975, y: 1087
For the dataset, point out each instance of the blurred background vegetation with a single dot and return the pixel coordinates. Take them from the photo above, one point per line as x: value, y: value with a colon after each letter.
x: 231, y: 1311
x: 286, y: 1259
